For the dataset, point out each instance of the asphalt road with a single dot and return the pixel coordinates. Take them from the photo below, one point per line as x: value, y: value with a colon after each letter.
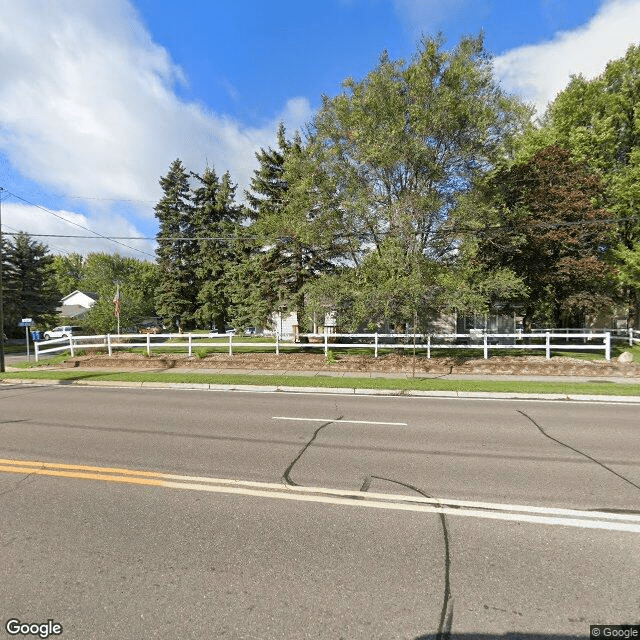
x: 348, y: 517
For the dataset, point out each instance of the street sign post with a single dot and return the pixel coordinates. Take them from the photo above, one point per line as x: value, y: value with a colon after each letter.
x: 26, y: 323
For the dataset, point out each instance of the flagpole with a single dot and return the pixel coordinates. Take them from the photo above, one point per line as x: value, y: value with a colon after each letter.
x: 116, y: 302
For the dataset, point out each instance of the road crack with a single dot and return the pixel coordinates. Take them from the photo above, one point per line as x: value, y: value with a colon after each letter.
x: 582, y: 453
x: 286, y: 476
x: 446, y: 613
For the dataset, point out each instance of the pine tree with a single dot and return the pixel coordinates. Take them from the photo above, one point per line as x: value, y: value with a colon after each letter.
x: 216, y: 220
x: 294, y: 243
x: 176, y: 295
x: 29, y: 285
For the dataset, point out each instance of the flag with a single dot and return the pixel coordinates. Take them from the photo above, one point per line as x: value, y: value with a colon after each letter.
x: 117, y: 302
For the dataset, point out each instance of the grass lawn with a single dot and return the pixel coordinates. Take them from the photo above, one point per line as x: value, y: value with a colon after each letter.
x: 420, y: 384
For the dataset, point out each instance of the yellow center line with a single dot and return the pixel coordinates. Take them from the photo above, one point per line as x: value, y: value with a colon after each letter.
x: 43, y: 471
x: 535, y: 515
x: 79, y: 467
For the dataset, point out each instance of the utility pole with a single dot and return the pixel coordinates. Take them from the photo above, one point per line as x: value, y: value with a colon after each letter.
x: 1, y: 293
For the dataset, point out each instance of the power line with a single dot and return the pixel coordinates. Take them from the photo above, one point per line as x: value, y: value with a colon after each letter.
x: 360, y: 236
x: 75, y: 224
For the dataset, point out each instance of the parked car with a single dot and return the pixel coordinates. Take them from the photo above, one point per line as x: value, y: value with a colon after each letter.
x: 62, y: 332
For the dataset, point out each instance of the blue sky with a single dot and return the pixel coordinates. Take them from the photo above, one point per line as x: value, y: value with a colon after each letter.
x: 97, y: 97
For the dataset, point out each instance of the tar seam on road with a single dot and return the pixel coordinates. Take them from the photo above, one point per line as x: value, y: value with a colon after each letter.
x: 286, y: 475
x: 446, y: 615
x: 582, y: 453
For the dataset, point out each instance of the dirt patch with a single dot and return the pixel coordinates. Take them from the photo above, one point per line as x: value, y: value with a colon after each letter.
x: 498, y: 365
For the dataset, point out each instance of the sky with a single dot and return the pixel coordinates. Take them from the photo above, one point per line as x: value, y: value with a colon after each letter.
x: 98, y: 97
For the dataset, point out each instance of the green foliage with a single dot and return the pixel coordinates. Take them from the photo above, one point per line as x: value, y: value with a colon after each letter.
x: 138, y: 279
x: 543, y: 224
x: 216, y: 219
x: 67, y: 272
x: 197, y: 252
x: 294, y: 237
x: 29, y: 286
x: 175, y: 296
x: 597, y: 121
x: 391, y: 158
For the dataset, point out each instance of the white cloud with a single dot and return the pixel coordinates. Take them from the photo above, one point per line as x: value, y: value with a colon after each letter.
x: 539, y: 72
x: 33, y: 219
x: 88, y: 106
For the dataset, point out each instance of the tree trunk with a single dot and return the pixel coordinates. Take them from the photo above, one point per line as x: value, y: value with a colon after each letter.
x: 633, y: 321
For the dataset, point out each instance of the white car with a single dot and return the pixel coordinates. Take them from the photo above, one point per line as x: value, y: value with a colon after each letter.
x: 62, y: 332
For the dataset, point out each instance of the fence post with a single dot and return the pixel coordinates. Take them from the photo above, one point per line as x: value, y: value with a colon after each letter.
x: 149, y: 344
x: 71, y: 346
x: 375, y: 352
x: 631, y: 337
x: 548, y: 345
x: 35, y: 345
x: 109, y: 350
x: 429, y: 347
x: 277, y: 343
x: 607, y: 346
x: 486, y: 354
x: 190, y: 336
x: 231, y: 344
x: 326, y: 350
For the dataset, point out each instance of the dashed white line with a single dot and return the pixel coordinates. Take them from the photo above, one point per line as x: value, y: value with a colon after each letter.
x: 388, y: 424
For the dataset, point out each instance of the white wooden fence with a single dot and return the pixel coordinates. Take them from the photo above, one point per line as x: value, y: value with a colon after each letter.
x: 488, y: 342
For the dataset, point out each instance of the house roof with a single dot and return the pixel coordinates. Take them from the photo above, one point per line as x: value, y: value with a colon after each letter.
x: 71, y: 310
x: 93, y: 296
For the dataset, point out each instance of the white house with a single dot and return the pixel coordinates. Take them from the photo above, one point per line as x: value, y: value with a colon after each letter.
x: 76, y: 304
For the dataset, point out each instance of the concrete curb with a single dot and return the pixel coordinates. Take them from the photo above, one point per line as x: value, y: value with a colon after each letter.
x: 558, y: 397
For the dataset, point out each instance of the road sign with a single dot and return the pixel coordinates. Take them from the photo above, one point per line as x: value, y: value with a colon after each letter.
x: 25, y: 324
x: 27, y: 320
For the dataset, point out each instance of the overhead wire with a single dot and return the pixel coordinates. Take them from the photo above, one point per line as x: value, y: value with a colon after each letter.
x: 444, y: 230
x: 75, y: 224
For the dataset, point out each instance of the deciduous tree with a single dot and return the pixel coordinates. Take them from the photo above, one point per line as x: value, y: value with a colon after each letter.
x: 599, y: 122
x: 544, y: 224
x: 392, y: 155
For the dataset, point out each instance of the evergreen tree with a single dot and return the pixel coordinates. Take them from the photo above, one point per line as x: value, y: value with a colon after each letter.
x: 295, y: 236
x: 216, y: 219
x: 29, y: 286
x: 176, y: 295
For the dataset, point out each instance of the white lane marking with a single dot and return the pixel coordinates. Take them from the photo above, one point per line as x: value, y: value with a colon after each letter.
x: 493, y: 511
x: 389, y: 424
x: 587, y: 523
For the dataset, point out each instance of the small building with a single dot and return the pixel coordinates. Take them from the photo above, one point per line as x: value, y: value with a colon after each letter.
x: 76, y: 304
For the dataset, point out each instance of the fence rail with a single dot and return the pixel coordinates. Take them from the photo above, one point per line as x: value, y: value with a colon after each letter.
x: 552, y: 340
